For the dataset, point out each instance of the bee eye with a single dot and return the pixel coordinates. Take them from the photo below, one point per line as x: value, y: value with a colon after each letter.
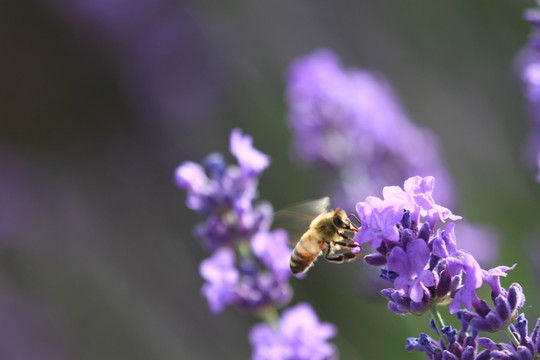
x: 338, y: 222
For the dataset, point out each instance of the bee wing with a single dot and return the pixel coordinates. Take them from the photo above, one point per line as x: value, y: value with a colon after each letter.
x: 297, y: 218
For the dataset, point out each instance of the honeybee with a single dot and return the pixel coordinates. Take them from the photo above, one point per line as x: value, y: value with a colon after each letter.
x: 326, y: 234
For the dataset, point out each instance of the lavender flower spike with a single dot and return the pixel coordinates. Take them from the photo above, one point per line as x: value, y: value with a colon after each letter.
x: 351, y: 120
x: 506, y: 306
x: 299, y: 336
x: 527, y: 348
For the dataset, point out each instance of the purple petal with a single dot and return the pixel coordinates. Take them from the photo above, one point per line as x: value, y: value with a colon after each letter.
x: 272, y: 248
x: 248, y: 157
x: 492, y: 277
x: 221, y: 277
x: 398, y: 261
x: 419, y: 254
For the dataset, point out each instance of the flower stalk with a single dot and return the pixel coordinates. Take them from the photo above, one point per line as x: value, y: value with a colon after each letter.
x: 438, y: 320
x: 511, y: 335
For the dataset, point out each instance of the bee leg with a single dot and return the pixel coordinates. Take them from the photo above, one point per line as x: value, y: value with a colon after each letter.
x: 341, y: 258
x: 345, y: 237
x: 345, y: 244
x: 346, y: 256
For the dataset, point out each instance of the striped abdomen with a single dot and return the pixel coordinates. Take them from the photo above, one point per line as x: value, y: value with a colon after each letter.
x: 305, y: 252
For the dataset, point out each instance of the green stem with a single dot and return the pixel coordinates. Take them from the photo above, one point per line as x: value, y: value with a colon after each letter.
x: 271, y: 316
x: 439, y: 322
x: 511, y: 336
x: 243, y: 249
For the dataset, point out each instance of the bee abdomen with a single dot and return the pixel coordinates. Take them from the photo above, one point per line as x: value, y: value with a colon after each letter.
x: 297, y: 264
x: 303, y: 255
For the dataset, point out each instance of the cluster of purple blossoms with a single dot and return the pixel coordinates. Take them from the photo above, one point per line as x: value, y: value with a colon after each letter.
x: 249, y: 266
x: 464, y: 345
x: 350, y: 120
x: 427, y: 270
x: 528, y: 67
x: 224, y: 193
x: 421, y: 260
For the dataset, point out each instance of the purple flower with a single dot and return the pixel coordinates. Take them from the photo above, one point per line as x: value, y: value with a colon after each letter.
x: 192, y: 177
x: 221, y: 276
x: 319, y: 109
x: 143, y: 44
x: 249, y: 158
x: 299, y: 336
x: 225, y: 186
x: 480, y: 240
x: 492, y: 277
x: 506, y: 305
x: 423, y: 262
x: 417, y: 197
x: 528, y: 347
x: 224, y: 193
x: 351, y: 120
x: 458, y: 346
x: 258, y: 290
x: 459, y: 263
x: 249, y: 288
x: 411, y: 265
x: 528, y: 68
x: 273, y: 250
x: 379, y: 219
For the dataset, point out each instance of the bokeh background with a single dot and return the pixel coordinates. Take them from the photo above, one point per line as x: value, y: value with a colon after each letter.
x: 102, y: 99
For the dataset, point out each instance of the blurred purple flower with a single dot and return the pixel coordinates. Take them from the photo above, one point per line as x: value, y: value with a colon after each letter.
x: 527, y: 64
x: 227, y: 186
x: 221, y: 275
x: 145, y: 44
x: 224, y: 193
x: 260, y: 290
x: 352, y: 121
x: 255, y: 281
x: 480, y: 240
x: 249, y: 158
x: 298, y: 336
x: 249, y: 288
x: 273, y: 250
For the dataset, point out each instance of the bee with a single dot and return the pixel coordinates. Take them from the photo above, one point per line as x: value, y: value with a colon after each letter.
x: 325, y: 235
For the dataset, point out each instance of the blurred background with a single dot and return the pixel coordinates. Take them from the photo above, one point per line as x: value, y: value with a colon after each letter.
x: 101, y: 100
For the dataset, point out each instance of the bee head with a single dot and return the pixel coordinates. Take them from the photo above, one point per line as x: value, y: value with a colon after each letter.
x: 341, y: 221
